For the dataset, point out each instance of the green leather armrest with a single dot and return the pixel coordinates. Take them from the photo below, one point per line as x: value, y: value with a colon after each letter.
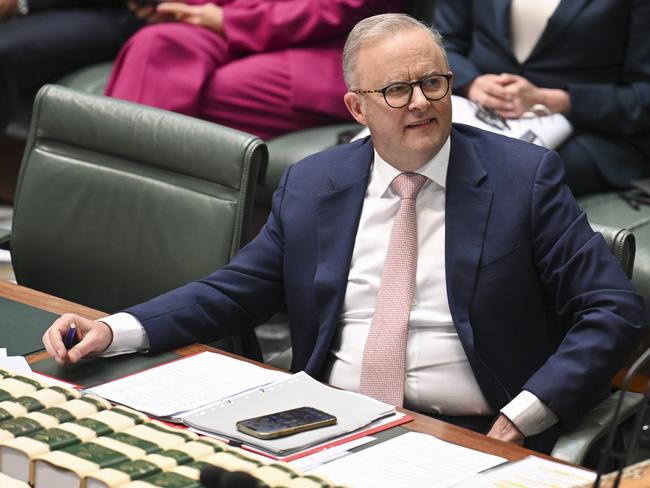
x: 574, y: 446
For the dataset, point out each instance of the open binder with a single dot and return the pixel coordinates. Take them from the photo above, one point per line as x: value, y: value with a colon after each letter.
x: 549, y: 131
x: 352, y: 410
x: 211, y: 392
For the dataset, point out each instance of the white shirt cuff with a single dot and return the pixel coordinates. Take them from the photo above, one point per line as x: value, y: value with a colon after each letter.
x: 128, y: 334
x: 529, y: 414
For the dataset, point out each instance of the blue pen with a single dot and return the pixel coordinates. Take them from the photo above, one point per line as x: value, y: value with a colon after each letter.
x: 71, y: 337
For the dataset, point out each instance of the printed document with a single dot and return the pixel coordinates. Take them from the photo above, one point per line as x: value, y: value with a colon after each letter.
x: 411, y: 459
x: 186, y: 384
x: 532, y: 472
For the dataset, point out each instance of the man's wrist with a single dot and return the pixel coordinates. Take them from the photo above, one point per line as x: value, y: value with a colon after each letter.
x: 506, y: 430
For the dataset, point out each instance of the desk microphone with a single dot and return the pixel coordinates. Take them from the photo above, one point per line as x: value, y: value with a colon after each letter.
x: 608, y: 448
x: 215, y: 477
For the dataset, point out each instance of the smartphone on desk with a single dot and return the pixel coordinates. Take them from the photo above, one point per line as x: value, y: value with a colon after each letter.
x: 285, y: 423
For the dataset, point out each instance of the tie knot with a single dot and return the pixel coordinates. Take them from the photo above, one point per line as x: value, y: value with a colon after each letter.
x: 408, y: 185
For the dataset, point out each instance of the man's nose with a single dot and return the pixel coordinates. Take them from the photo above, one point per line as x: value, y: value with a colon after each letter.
x: 418, y: 100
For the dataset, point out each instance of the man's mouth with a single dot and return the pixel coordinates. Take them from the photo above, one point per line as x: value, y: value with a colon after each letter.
x: 419, y: 123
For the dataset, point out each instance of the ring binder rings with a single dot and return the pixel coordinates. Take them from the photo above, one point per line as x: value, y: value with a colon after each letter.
x: 353, y: 411
x: 198, y: 382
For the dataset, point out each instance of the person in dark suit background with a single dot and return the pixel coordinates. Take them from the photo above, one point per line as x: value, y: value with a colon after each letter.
x: 246, y: 64
x: 514, y: 315
x: 588, y: 59
x: 41, y: 40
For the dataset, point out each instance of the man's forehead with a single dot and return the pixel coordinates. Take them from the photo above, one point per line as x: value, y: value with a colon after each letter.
x: 408, y: 57
x: 405, y: 70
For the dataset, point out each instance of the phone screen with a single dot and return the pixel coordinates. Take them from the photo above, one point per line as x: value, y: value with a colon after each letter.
x: 287, y: 422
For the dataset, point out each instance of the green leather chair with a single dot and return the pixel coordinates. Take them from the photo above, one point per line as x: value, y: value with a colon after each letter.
x: 575, y: 446
x: 118, y: 202
x: 609, y: 209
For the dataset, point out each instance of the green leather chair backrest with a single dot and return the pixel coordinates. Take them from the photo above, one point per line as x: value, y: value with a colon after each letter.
x: 118, y: 202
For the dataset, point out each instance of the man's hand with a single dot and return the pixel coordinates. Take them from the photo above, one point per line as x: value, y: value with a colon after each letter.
x: 504, y: 430
x: 94, y: 337
x: 8, y: 8
x: 207, y: 15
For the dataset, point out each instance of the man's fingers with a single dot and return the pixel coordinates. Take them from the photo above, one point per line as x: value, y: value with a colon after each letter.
x: 53, y: 337
x: 81, y: 350
x: 94, y: 338
x: 51, y: 350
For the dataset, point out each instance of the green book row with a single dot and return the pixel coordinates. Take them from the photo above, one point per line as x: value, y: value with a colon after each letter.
x: 53, y: 436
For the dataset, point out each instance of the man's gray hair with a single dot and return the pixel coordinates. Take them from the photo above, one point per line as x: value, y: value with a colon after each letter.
x: 377, y: 27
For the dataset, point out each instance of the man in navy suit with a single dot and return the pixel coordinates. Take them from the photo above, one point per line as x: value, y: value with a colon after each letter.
x: 520, y: 315
x: 587, y: 59
x: 41, y: 40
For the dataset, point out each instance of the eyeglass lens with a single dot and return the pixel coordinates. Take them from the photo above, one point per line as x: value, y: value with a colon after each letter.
x: 399, y: 95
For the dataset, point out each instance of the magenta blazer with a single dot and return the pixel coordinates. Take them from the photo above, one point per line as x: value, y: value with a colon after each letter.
x: 312, y: 32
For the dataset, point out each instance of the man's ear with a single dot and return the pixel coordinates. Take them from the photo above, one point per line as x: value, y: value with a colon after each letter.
x: 353, y: 103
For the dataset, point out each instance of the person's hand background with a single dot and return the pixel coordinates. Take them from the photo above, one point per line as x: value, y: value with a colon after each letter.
x: 147, y: 13
x: 488, y: 90
x: 8, y: 8
x: 207, y: 15
x: 93, y: 336
x: 513, y: 95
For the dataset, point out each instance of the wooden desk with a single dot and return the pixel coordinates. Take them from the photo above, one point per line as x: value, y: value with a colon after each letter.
x: 422, y: 423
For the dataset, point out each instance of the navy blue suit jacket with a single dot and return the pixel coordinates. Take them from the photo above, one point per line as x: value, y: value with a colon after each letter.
x: 537, y: 298
x: 598, y: 50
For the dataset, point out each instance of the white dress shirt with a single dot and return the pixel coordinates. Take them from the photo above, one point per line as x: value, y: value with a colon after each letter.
x: 439, y: 378
x: 438, y: 375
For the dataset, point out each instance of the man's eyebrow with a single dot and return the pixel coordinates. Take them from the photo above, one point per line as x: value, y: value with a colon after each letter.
x: 431, y: 72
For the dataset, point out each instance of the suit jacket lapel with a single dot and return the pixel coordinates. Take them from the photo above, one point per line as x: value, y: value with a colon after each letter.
x: 561, y: 19
x: 466, y: 214
x: 339, y: 211
x: 467, y: 209
x: 502, y: 34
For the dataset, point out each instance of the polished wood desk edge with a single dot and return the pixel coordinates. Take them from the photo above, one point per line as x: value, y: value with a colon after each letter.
x: 421, y: 423
x: 45, y: 302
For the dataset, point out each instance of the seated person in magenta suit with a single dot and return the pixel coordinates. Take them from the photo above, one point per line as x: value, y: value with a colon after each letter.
x: 41, y: 40
x: 589, y: 59
x: 265, y: 67
x: 512, y: 310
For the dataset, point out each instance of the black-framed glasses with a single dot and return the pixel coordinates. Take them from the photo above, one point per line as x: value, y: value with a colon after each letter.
x: 398, y: 95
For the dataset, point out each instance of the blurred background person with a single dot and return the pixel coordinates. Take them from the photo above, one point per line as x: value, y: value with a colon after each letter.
x: 41, y: 40
x: 262, y: 66
x: 586, y: 59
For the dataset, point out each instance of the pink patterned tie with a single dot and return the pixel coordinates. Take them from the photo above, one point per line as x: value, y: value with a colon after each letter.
x: 384, y: 357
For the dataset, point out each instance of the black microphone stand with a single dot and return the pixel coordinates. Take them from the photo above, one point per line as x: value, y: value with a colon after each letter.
x: 608, y: 448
